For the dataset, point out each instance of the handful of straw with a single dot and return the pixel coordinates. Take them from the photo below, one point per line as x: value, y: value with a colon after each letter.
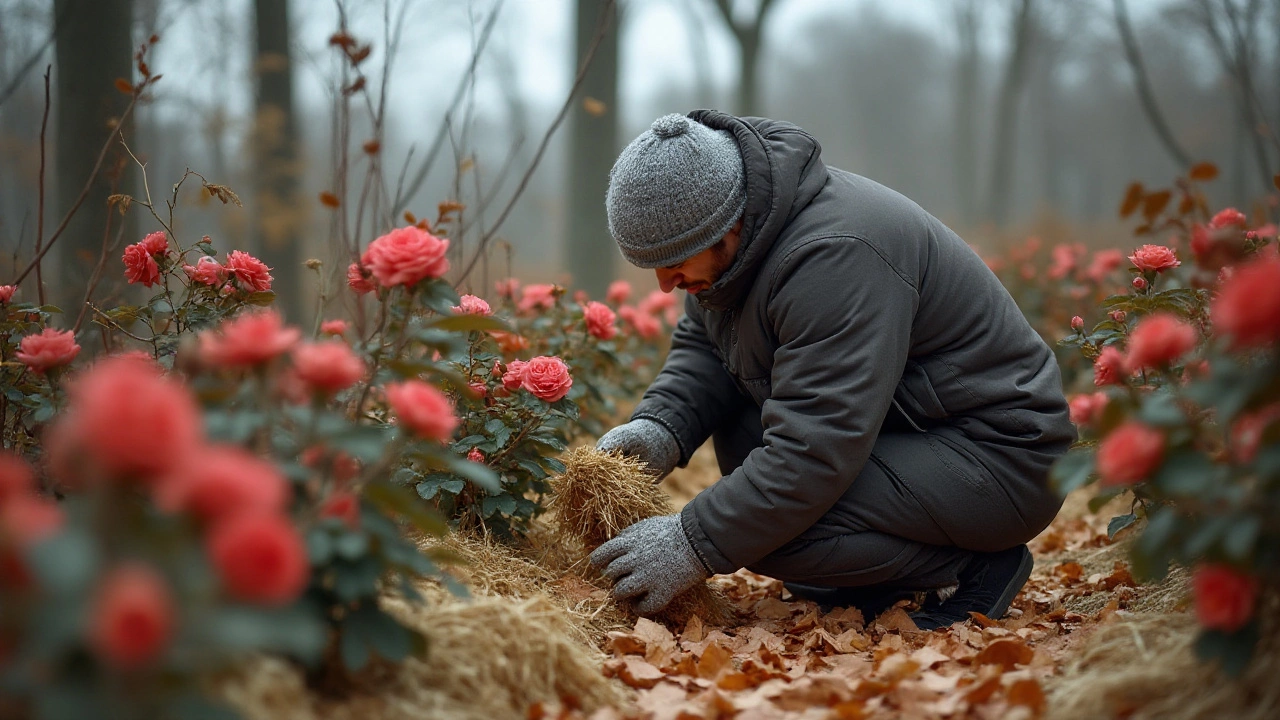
x: 599, y: 494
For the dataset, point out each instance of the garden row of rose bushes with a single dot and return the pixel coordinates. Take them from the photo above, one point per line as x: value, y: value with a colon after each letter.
x: 212, y: 482
x: 1175, y: 373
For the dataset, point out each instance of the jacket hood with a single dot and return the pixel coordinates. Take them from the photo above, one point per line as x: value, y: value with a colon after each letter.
x: 784, y: 172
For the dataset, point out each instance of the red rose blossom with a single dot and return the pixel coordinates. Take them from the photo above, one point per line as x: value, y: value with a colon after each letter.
x: 6, y: 293
x: 513, y: 378
x: 217, y: 483
x: 1157, y: 258
x: 360, y: 280
x: 1158, y: 340
x: 48, y: 349
x: 1247, y: 431
x: 619, y: 292
x: 422, y: 409
x: 1247, y: 309
x: 206, y: 271
x: 1104, y: 263
x: 656, y: 302
x: 250, y: 339
x: 510, y: 342
x: 334, y: 327
x: 251, y: 273
x: 140, y: 266
x: 157, y: 243
x: 344, y: 506
x: 475, y: 455
x: 405, y: 256
x: 127, y: 420
x: 132, y: 619
x: 1129, y: 454
x: 1087, y: 409
x: 16, y: 478
x: 327, y: 367
x: 29, y: 518
x: 261, y: 558
x: 507, y: 288
x: 472, y: 305
x: 547, y: 378
x: 537, y: 297
x: 600, y: 320
x: 1110, y: 367
x: 1225, y: 597
x: 1229, y: 217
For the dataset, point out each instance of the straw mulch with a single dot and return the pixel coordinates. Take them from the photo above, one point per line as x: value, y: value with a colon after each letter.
x: 1146, y: 667
x: 600, y: 494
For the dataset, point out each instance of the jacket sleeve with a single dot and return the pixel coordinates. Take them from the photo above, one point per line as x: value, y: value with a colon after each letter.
x: 842, y: 315
x: 693, y: 392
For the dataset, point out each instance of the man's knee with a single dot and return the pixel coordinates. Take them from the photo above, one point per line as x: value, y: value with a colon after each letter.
x: 737, y: 436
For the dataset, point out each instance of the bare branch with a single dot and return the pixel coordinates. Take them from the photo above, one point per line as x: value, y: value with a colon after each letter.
x: 1143, y: 85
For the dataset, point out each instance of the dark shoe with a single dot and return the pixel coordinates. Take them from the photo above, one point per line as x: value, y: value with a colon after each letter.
x: 987, y: 585
x: 871, y: 599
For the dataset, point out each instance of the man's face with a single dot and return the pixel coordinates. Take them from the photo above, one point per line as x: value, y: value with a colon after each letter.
x: 702, y: 270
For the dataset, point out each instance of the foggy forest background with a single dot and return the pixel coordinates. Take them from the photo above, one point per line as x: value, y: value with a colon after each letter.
x: 1001, y: 117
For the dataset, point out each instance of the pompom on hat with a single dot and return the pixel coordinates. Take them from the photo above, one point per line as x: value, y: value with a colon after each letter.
x: 675, y: 191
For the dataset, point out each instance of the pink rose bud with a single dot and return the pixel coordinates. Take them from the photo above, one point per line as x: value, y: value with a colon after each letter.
x: 1118, y: 315
x: 475, y: 455
x: 1077, y: 323
x: 1140, y: 283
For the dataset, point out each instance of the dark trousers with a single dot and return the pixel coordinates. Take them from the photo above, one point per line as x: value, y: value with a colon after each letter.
x: 915, y: 515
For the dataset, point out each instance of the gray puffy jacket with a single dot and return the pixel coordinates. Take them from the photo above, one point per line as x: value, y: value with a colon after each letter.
x: 847, y: 301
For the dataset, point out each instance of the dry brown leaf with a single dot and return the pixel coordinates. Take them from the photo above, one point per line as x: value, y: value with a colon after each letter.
x: 895, y: 618
x: 1120, y: 575
x: 984, y: 687
x: 847, y: 617
x: 849, y: 710
x: 1027, y: 693
x: 848, y: 666
x: 669, y: 702
x: 772, y: 608
x: 620, y: 643
x: 897, y: 667
x: 694, y: 630
x: 926, y: 657
x: 852, y: 641
x: 714, y: 660
x: 1069, y: 572
x: 1007, y: 653
x: 634, y: 671
x: 939, y: 683
x: 982, y: 620
x: 813, y: 690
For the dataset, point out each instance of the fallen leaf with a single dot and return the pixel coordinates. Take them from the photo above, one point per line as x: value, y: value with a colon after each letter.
x: 620, y: 643
x: 1069, y: 572
x: 1007, y: 653
x: 636, y: 672
x: 982, y: 690
x: 844, y: 617
x: 714, y: 659
x: 897, y: 667
x: 849, y: 710
x: 848, y: 666
x: 926, y: 657
x: 939, y: 683
x: 982, y: 620
x: 852, y: 641
x: 694, y: 630
x: 772, y: 608
x: 895, y: 618
x: 1120, y: 575
x: 805, y: 622
x: 813, y: 690
x: 1027, y: 693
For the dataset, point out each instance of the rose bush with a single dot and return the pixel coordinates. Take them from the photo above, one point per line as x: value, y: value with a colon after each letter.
x: 1186, y: 376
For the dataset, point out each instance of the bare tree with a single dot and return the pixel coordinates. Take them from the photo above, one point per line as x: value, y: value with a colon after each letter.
x: 748, y: 32
x: 1142, y: 83
x: 1003, y: 140
x: 967, y: 88
x: 593, y: 146
x: 94, y: 48
x: 277, y: 211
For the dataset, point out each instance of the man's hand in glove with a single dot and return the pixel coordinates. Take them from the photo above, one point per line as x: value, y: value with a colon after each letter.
x: 646, y: 440
x: 650, y: 562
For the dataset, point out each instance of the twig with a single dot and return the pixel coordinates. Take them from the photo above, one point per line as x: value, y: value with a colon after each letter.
x: 601, y: 27
x: 421, y: 175
x: 96, y: 277
x: 84, y: 192
x: 44, y: 124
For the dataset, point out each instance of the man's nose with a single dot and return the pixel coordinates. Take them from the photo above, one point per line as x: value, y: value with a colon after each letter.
x: 668, y: 280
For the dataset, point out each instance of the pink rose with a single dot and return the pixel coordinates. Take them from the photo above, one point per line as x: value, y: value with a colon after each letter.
x: 1224, y: 596
x: 1247, y: 430
x: 28, y: 519
x: 1087, y: 409
x: 252, y: 274
x: 251, y: 339
x: 1110, y: 368
x: 260, y: 558
x: 140, y: 266
x: 359, y: 279
x: 344, y: 506
x: 475, y: 455
x: 547, y: 378
x: 513, y: 378
x: 327, y: 367
x: 600, y: 320
x: 1104, y: 263
x: 16, y: 478
x: 1247, y: 308
x: 472, y: 305
x: 405, y: 256
x: 217, y: 483
x: 507, y: 288
x: 422, y: 409
x: 206, y: 271
x: 1129, y: 454
x: 333, y: 327
x: 1229, y: 217
x: 1158, y: 340
x: 1157, y: 258
x: 48, y: 349
x: 619, y: 292
x: 656, y: 302
x: 1077, y: 323
x: 6, y: 293
x: 537, y: 297
x: 156, y: 243
x: 132, y: 617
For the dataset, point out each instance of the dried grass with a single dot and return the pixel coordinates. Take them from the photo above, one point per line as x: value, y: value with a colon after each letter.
x: 488, y: 658
x: 1146, y: 667
x: 598, y: 495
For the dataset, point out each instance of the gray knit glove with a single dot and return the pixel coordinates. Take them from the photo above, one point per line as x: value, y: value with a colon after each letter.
x: 650, y: 562
x: 646, y: 440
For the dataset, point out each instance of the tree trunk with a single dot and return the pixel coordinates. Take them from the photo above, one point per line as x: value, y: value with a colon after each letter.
x: 967, y: 88
x: 1004, y: 138
x: 278, y: 212
x: 593, y: 148
x: 1143, y: 84
x: 747, y: 90
x: 94, y: 47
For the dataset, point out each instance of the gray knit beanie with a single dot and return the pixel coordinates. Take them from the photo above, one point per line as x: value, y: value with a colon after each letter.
x: 675, y: 191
